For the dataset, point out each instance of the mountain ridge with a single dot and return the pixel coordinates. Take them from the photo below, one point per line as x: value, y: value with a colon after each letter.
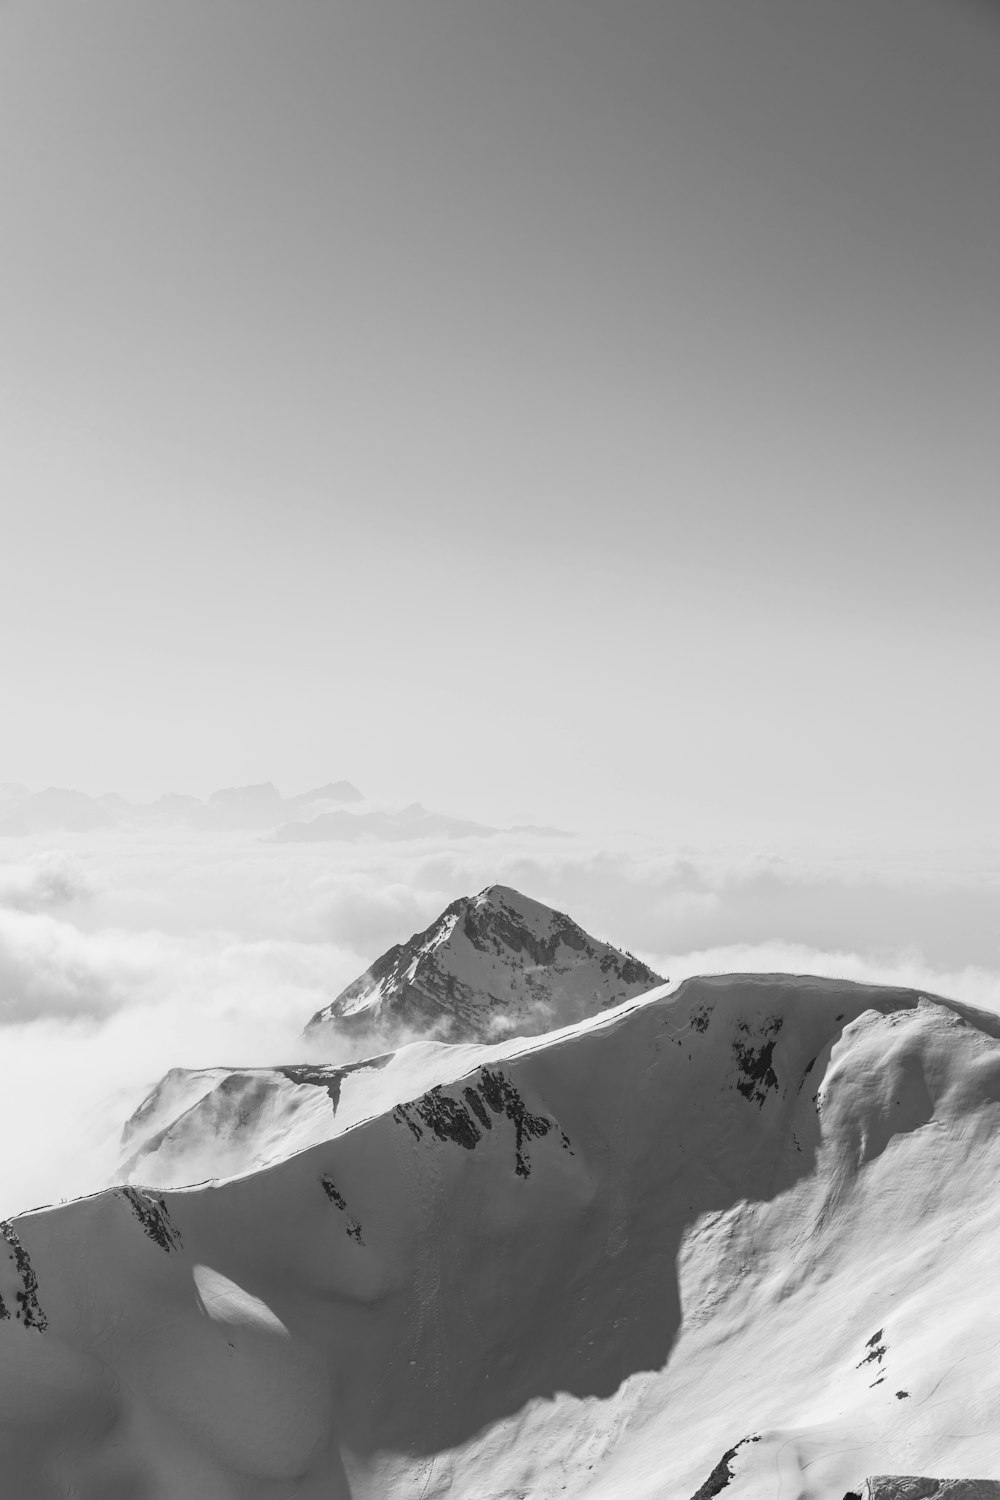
x: 592, y: 1233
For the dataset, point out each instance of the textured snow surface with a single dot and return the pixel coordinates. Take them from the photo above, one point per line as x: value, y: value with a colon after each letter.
x: 752, y: 1221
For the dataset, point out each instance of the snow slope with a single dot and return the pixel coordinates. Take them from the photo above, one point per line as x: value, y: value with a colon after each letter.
x: 491, y: 965
x: 753, y: 1219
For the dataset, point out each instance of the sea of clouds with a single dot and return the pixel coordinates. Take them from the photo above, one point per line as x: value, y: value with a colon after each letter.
x: 126, y: 952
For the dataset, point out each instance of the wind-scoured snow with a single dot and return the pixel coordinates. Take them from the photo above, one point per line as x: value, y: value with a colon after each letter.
x: 746, y: 1229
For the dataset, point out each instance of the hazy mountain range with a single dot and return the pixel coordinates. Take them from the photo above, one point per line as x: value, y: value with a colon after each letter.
x: 317, y: 816
x: 261, y: 806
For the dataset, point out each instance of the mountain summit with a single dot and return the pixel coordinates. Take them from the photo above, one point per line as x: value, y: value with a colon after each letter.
x: 491, y: 965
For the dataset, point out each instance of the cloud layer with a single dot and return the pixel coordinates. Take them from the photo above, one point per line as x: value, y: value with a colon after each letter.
x: 124, y: 955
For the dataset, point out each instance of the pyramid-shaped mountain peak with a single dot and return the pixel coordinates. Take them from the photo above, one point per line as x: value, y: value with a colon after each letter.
x: 491, y: 965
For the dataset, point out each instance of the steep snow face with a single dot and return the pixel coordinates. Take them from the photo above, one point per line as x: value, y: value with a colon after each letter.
x: 492, y: 965
x: 745, y: 1233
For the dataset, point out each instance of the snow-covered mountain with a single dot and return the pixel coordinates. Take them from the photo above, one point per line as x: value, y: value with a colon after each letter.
x: 742, y: 1236
x: 491, y: 965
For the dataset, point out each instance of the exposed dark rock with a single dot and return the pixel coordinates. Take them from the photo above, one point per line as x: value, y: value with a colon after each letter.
x: 876, y: 1350
x: 452, y: 1120
x: 757, y: 1077
x: 338, y: 1200
x: 500, y: 1094
x: 722, y: 1473
x: 634, y: 971
x: 330, y: 1079
x: 331, y: 1192
x: 152, y: 1214
x: 448, y: 1118
x: 28, y: 1311
x: 478, y: 1108
x: 403, y: 1116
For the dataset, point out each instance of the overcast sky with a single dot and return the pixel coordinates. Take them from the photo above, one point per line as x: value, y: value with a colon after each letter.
x: 550, y: 410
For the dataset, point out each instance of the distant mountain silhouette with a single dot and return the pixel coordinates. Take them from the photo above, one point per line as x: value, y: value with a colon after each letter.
x: 256, y: 807
x: 57, y: 809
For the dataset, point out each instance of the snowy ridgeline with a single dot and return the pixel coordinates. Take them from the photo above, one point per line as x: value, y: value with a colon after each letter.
x: 753, y: 1218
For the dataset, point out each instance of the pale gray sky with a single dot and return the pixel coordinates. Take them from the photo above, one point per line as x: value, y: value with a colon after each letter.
x: 549, y: 410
